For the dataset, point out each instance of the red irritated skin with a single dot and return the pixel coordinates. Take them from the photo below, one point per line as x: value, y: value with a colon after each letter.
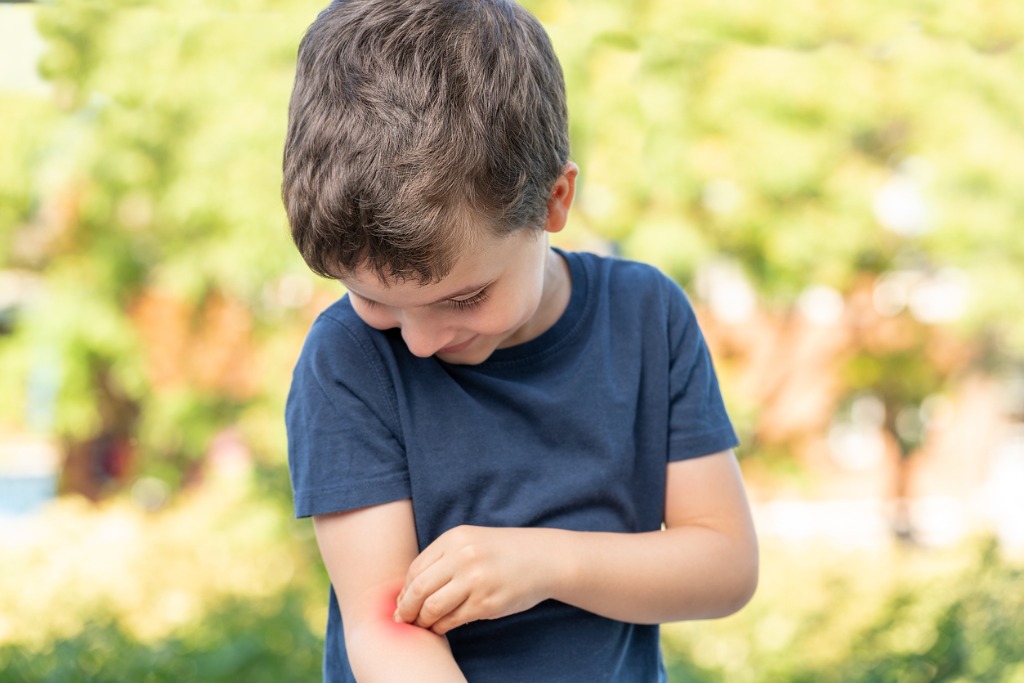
x: 379, y: 649
x: 385, y: 650
x: 386, y: 610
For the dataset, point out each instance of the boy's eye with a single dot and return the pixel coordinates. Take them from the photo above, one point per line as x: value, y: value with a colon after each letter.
x: 457, y: 304
x: 369, y: 303
x: 466, y: 304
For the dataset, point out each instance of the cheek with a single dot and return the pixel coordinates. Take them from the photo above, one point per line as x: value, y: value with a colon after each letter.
x: 509, y: 315
x: 493, y: 322
x: 377, y: 318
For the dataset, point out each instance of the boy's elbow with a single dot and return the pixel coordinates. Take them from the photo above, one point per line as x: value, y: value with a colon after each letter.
x: 736, y: 578
x: 745, y: 578
x: 746, y: 589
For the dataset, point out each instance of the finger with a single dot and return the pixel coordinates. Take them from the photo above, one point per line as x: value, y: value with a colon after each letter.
x: 458, y: 617
x: 410, y: 600
x: 423, y: 563
x: 429, y: 556
x: 448, y: 541
x: 440, y: 604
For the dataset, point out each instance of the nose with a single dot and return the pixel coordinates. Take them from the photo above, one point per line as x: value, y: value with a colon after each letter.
x: 423, y: 338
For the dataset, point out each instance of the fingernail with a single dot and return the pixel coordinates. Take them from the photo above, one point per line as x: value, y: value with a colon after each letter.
x: 396, y: 617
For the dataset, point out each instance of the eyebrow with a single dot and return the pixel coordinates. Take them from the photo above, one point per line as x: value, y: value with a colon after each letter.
x: 462, y: 292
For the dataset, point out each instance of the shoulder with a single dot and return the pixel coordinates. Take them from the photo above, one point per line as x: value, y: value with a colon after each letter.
x: 625, y: 284
x: 339, y: 328
x: 339, y: 346
x: 344, y: 364
x: 338, y: 319
x: 620, y: 271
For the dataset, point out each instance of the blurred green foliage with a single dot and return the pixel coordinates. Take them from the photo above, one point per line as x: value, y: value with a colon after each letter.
x: 154, y: 170
x: 866, y: 617
x: 766, y: 134
x: 222, y: 587
x: 813, y: 145
x: 265, y: 641
x: 28, y: 121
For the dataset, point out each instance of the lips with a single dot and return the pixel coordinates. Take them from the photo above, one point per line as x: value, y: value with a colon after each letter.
x: 462, y: 346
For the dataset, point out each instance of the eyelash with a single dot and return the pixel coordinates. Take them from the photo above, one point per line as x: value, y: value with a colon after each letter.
x: 471, y: 302
x: 457, y: 304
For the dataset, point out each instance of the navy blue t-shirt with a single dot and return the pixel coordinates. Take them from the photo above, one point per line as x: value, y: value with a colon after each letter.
x: 571, y: 430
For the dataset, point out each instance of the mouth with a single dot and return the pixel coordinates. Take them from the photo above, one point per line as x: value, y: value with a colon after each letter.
x: 462, y: 346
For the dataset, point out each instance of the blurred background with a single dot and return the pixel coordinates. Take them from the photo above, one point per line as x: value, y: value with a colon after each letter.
x: 837, y: 185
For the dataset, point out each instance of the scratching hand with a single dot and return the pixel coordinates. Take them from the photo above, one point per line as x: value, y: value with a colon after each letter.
x: 471, y: 573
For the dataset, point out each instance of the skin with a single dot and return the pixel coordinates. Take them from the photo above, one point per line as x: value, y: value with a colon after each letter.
x: 702, y: 565
x: 502, y: 292
x: 380, y: 649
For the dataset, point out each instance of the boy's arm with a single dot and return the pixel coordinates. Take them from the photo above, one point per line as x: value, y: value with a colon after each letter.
x: 704, y: 564
x: 367, y: 552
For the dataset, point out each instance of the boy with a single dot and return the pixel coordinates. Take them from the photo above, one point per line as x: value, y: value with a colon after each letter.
x: 516, y: 459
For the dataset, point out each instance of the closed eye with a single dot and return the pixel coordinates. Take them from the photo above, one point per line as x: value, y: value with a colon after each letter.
x: 369, y: 303
x: 457, y: 304
x: 471, y: 302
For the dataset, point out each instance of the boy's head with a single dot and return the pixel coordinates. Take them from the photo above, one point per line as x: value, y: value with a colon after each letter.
x: 414, y: 125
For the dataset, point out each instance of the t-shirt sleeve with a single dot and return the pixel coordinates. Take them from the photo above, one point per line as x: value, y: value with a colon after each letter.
x: 343, y: 449
x: 698, y: 422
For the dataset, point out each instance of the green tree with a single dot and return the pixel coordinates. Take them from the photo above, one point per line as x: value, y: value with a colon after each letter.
x: 159, y: 192
x: 873, y: 150
x: 807, y: 144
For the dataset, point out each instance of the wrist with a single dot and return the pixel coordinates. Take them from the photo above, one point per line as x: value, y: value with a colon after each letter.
x: 560, y: 566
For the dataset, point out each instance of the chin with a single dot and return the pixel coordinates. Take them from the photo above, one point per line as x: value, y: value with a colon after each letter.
x: 471, y: 356
x: 463, y: 360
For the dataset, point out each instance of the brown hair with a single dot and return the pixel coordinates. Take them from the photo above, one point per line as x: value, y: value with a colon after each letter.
x: 413, y: 121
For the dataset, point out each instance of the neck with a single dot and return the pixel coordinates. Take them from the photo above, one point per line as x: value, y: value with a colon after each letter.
x: 557, y: 288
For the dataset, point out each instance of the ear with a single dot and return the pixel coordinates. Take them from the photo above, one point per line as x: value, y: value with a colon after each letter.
x: 560, y: 199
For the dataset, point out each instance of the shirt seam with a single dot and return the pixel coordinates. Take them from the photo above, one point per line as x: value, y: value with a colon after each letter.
x: 378, y: 482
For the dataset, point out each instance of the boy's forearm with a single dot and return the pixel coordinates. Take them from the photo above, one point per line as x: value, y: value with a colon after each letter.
x: 381, y: 650
x: 389, y: 652
x: 704, y: 564
x: 676, y: 574
x: 366, y: 552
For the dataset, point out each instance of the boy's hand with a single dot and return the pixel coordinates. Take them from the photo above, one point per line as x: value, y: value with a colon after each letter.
x: 471, y: 573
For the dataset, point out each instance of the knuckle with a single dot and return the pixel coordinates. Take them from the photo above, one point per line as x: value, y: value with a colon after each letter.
x: 491, y: 604
x: 414, y: 590
x: 470, y: 552
x: 431, y: 609
x: 477, y: 578
x: 458, y: 534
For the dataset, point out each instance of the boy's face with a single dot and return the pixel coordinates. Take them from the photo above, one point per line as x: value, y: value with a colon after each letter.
x: 502, y: 292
